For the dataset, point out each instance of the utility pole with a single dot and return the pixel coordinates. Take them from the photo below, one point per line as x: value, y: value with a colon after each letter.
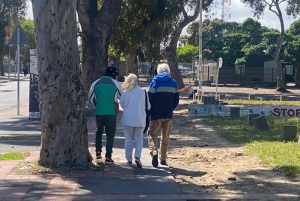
x: 18, y: 38
x: 200, y: 48
x: 18, y: 68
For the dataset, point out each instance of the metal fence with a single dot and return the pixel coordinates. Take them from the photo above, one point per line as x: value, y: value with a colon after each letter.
x: 244, y: 76
x: 248, y: 76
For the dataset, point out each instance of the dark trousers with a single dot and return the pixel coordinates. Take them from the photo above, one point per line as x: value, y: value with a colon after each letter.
x: 107, y: 122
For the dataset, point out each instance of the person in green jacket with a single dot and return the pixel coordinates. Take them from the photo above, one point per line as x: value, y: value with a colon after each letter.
x: 103, y: 96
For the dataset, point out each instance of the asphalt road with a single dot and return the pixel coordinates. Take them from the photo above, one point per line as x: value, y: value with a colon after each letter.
x: 13, y: 125
x: 9, y: 91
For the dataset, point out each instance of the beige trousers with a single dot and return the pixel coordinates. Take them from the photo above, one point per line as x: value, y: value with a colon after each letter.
x: 165, y: 126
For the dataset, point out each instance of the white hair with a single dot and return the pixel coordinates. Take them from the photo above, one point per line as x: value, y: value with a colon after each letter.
x: 163, y: 68
x: 131, y: 81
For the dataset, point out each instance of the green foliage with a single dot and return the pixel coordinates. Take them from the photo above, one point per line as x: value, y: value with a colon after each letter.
x: 238, y: 43
x: 10, y: 12
x: 141, y: 20
x: 266, y: 144
x: 275, y: 6
x: 187, y: 53
x: 28, y: 27
x: 146, y: 24
x: 292, y: 42
x: 14, y: 156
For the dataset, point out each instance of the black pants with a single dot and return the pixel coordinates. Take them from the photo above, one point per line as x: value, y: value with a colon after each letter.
x: 109, y: 123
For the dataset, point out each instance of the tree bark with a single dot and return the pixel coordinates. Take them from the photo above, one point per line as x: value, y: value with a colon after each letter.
x: 97, y: 28
x: 1, y: 66
x: 2, y: 36
x: 64, y: 139
x: 173, y: 64
x: 297, y: 78
x: 131, y: 61
x: 171, y: 50
x: 281, y: 85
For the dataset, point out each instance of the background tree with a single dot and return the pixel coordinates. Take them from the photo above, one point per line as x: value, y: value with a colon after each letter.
x: 187, y: 53
x: 61, y: 94
x: 189, y: 11
x: 142, y: 24
x: 292, y: 9
x: 97, y: 20
x: 28, y: 27
x: 10, y: 11
x: 252, y: 50
x: 291, y: 48
x: 238, y: 43
x: 183, y: 40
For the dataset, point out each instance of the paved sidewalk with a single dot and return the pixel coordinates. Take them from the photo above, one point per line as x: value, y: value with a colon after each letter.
x: 115, y: 182
x: 12, y: 77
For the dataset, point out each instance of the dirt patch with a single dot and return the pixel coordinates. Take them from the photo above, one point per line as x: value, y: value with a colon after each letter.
x: 202, y: 162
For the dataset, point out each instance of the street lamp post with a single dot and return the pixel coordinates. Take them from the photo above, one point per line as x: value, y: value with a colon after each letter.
x: 9, y: 61
x: 18, y: 66
x: 200, y: 48
x: 18, y: 38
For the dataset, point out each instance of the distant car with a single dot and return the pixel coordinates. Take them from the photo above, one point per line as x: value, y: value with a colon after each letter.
x: 188, y: 73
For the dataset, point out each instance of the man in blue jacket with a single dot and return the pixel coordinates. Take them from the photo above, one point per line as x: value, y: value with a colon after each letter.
x: 164, y: 97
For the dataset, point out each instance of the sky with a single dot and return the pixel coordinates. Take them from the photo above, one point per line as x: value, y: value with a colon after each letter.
x: 239, y: 12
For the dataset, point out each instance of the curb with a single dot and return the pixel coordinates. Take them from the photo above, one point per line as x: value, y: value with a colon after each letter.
x: 4, y: 81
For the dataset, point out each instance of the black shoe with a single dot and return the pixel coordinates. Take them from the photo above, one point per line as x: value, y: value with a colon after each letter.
x: 108, y: 160
x: 138, y: 162
x: 164, y: 163
x: 98, y: 155
x: 155, y: 160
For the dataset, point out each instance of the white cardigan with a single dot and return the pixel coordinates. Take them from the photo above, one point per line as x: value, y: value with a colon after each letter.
x: 133, y: 104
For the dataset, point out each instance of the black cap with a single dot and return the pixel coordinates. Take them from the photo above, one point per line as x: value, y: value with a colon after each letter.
x: 111, y: 71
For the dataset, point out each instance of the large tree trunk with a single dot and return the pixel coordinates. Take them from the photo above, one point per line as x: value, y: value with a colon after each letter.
x: 297, y: 78
x: 2, y: 36
x: 1, y: 66
x: 64, y: 139
x: 171, y: 50
x: 131, y: 61
x: 173, y: 64
x: 97, y: 28
x: 281, y: 85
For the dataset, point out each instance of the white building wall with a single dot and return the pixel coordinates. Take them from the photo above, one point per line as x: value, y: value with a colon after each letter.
x: 269, y: 68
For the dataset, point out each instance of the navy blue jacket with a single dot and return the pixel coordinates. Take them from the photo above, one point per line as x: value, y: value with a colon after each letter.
x: 163, y: 96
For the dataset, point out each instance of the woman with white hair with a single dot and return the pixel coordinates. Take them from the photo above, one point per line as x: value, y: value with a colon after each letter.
x: 133, y: 101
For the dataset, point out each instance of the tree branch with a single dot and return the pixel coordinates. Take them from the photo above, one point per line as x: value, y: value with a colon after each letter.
x: 270, y: 7
x: 183, y: 10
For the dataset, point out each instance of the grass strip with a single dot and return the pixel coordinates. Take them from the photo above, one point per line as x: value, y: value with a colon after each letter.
x: 267, y: 145
x: 14, y: 156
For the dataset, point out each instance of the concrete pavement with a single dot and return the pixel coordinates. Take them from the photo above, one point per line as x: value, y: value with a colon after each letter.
x: 12, y: 77
x: 114, y: 182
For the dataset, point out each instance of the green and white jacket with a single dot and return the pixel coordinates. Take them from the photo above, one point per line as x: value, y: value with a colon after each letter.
x: 104, y: 94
